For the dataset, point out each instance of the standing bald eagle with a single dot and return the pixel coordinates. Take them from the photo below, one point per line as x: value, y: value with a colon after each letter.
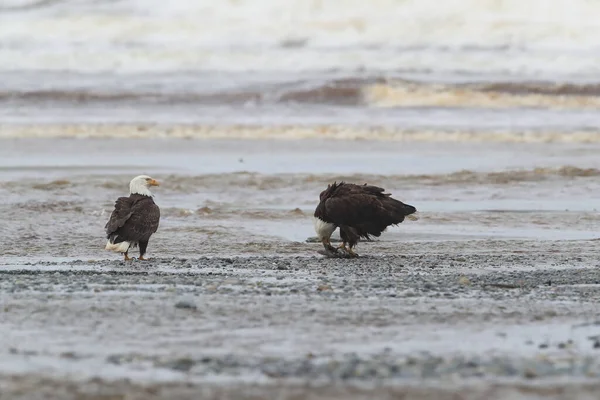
x: 134, y: 219
x: 360, y: 211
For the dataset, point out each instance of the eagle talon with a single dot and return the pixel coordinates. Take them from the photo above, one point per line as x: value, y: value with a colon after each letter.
x: 328, y: 246
x: 141, y: 258
x: 127, y: 258
x: 344, y: 251
x: 351, y: 252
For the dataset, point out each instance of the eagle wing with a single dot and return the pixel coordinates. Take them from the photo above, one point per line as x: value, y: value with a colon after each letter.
x: 353, y: 209
x: 366, y: 208
x: 143, y: 222
x: 122, y: 212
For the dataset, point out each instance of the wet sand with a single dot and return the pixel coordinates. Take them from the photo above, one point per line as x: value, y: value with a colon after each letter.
x: 256, y: 197
x: 492, y: 292
x: 493, y: 317
x: 57, y: 389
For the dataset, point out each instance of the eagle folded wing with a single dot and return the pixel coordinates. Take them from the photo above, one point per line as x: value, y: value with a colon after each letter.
x: 370, y: 212
x: 119, y: 216
x: 353, y: 210
x: 144, y: 220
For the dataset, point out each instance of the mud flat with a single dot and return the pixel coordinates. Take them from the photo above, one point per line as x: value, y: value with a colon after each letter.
x: 486, y: 319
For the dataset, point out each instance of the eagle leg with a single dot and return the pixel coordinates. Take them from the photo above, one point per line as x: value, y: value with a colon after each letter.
x: 351, y: 252
x: 347, y: 252
x: 328, y: 246
x: 143, y: 246
x: 127, y: 258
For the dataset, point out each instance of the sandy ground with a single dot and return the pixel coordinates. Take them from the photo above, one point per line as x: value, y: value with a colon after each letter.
x: 471, y: 319
x: 492, y: 294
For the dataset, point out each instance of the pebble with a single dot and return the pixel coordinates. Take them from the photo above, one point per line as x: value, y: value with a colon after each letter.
x: 186, y: 304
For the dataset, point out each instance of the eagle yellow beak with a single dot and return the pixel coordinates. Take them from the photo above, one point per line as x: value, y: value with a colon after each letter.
x: 153, y: 182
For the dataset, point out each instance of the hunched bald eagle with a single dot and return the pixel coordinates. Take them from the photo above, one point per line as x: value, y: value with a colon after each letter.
x: 134, y: 219
x: 360, y: 211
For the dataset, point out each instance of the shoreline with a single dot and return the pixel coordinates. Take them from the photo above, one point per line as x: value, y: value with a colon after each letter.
x: 333, y: 132
x: 18, y: 386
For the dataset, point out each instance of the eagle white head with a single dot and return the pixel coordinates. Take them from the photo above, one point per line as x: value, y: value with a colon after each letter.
x: 141, y: 185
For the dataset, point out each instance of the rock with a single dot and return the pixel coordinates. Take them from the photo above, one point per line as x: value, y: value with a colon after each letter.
x: 188, y: 304
x: 114, y: 359
x: 182, y: 364
x: 530, y: 374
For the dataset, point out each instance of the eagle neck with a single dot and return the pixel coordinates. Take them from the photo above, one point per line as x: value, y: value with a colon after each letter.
x: 141, y: 190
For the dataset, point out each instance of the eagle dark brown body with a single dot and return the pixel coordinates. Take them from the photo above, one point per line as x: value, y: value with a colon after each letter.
x: 360, y: 211
x: 134, y: 219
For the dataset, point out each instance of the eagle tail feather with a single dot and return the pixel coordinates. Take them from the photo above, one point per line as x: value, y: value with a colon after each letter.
x: 121, y: 247
x: 398, y: 211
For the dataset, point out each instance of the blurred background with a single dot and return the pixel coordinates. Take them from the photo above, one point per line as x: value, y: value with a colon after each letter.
x: 482, y: 113
x: 403, y: 62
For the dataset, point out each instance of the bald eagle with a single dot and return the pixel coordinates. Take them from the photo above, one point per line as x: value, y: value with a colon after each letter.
x: 360, y: 211
x: 134, y: 219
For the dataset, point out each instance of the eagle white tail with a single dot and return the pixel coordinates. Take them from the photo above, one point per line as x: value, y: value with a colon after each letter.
x: 323, y: 229
x: 117, y: 247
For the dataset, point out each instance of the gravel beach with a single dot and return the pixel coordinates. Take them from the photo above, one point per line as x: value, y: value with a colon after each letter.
x: 491, y: 294
x: 486, y: 319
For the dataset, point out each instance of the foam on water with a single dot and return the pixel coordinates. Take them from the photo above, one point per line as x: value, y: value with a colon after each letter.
x: 433, y: 72
x: 482, y: 35
x: 435, y: 132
